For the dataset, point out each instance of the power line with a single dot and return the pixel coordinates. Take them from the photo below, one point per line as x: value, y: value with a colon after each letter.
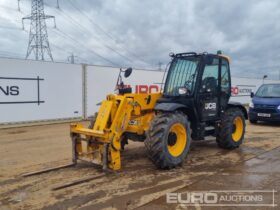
x: 59, y: 48
x: 82, y: 59
x: 7, y: 54
x: 159, y: 65
x: 96, y: 25
x: 55, y: 46
x: 77, y: 24
x: 72, y: 58
x: 73, y: 45
x: 57, y: 4
x: 86, y: 29
x: 93, y: 52
x: 102, y: 30
x: 10, y: 28
x: 18, y: 5
x: 260, y: 67
x: 73, y: 21
x: 77, y: 46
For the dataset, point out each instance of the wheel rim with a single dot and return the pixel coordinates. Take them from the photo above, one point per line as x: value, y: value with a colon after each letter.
x: 177, y: 139
x: 238, y: 128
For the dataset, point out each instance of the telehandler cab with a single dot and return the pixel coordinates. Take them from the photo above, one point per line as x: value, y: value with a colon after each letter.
x: 193, y: 104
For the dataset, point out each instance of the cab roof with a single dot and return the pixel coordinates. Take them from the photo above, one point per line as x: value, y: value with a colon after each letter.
x: 186, y: 54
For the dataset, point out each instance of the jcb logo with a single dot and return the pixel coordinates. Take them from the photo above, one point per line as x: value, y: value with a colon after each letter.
x: 210, y: 106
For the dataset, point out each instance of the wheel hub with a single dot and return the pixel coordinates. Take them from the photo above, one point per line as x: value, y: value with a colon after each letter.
x: 172, y: 138
x: 238, y: 129
x: 233, y: 128
x: 177, y: 139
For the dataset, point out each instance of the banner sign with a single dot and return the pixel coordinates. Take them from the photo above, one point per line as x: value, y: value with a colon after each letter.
x: 15, y: 90
x: 242, y: 90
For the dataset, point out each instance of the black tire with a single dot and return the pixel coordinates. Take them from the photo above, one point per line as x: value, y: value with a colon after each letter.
x: 225, y: 136
x: 159, y: 140
x: 92, y: 121
x: 253, y: 121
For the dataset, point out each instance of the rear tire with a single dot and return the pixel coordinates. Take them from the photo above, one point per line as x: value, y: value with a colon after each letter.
x: 168, y: 139
x: 232, y: 129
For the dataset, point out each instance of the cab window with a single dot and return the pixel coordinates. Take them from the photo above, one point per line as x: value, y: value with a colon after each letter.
x: 225, y: 80
x: 210, y: 77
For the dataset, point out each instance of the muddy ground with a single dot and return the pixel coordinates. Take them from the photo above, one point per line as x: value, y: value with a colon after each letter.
x: 139, y: 185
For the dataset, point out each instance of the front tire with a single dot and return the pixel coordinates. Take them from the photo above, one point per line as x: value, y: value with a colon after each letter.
x: 232, y: 129
x: 168, y: 139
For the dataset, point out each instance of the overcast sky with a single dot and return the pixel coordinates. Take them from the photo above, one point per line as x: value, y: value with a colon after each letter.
x: 142, y: 33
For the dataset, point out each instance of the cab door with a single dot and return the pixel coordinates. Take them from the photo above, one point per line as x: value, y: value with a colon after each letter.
x: 225, y: 85
x: 214, y: 89
x: 209, y: 91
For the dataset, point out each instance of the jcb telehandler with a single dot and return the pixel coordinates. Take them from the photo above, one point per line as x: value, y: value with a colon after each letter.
x: 193, y: 104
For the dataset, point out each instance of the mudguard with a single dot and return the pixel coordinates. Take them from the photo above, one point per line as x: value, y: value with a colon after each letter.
x: 169, y: 107
x: 240, y: 106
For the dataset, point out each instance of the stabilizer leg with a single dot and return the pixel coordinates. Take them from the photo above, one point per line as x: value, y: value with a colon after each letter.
x: 115, y: 162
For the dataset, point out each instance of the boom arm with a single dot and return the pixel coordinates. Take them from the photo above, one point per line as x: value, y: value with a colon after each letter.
x: 102, y: 144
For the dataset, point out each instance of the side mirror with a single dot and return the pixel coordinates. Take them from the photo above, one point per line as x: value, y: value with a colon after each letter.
x: 127, y: 72
x: 252, y: 95
x: 172, y: 55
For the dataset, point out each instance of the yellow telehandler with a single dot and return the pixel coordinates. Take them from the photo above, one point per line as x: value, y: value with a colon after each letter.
x: 193, y: 104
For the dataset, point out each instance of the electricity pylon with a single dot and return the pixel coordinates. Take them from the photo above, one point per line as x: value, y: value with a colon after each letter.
x: 38, y: 36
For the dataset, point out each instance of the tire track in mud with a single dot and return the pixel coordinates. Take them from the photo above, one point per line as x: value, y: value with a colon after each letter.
x: 226, y: 169
x: 46, y: 181
x: 51, y: 179
x: 137, y: 179
x: 131, y: 200
x: 42, y: 182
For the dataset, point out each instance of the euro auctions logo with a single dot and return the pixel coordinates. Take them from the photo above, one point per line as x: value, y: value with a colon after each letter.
x: 144, y: 88
x: 241, y: 198
x: 192, y: 198
x: 242, y: 90
x: 18, y: 90
x: 234, y: 90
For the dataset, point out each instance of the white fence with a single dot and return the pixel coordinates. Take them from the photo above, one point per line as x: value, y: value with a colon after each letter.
x: 242, y: 88
x: 36, y: 91
x: 102, y: 80
x: 32, y: 91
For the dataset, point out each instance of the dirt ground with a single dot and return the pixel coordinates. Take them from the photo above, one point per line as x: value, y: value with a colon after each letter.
x: 139, y: 185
